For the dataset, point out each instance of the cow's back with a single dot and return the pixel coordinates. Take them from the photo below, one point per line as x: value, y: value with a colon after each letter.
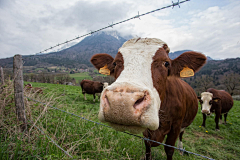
x: 87, y: 86
x: 180, y: 102
x: 226, y: 99
x: 91, y: 87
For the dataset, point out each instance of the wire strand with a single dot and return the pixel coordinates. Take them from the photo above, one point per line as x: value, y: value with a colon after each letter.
x: 51, y: 139
x: 144, y: 138
x: 113, y: 24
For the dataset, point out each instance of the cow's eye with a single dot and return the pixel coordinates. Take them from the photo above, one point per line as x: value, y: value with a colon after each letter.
x: 166, y: 64
x: 201, y: 101
x: 210, y: 102
x: 114, y: 63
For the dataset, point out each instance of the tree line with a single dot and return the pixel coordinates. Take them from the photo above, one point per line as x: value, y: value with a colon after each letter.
x: 229, y: 82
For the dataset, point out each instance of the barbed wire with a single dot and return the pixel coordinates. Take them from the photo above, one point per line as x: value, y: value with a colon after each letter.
x: 50, y: 139
x: 144, y: 138
x: 113, y: 24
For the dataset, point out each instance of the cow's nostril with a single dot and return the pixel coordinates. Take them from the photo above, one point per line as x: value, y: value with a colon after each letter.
x: 106, y: 101
x: 139, y: 101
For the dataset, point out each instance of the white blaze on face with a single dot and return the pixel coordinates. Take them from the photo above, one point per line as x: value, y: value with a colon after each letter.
x: 105, y: 84
x: 137, y: 55
x: 206, y: 97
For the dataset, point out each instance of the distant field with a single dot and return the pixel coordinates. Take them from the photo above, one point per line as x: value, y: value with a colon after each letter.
x: 80, y: 76
x: 86, y: 140
x: 53, y: 67
x: 39, y: 69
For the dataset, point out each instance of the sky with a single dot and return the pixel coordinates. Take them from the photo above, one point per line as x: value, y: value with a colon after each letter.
x: 211, y: 27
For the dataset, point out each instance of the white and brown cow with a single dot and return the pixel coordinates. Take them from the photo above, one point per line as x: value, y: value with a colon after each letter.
x: 148, y: 96
x: 29, y: 88
x: 215, y: 101
x: 92, y: 87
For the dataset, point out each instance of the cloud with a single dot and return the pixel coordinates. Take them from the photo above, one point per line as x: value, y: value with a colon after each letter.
x: 214, y: 31
x: 211, y: 28
x: 42, y: 25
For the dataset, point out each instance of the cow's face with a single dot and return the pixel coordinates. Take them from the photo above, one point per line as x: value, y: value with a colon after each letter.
x: 206, y: 100
x: 105, y: 84
x: 141, y: 68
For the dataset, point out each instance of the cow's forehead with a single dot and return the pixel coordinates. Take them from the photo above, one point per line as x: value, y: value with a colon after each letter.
x: 206, y: 96
x: 145, y: 47
x: 137, y: 57
x: 144, y: 41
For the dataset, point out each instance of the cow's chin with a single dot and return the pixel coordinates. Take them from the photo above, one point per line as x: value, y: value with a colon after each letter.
x: 131, y: 129
x: 147, y: 122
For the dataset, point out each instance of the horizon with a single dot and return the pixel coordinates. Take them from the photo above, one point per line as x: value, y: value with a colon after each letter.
x: 100, y: 32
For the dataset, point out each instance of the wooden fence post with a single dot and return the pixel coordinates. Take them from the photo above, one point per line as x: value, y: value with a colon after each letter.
x: 2, y: 76
x: 18, y: 91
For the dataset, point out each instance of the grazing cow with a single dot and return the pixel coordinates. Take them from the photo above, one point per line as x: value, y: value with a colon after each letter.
x: 29, y: 88
x: 217, y: 101
x: 148, y: 96
x: 92, y: 87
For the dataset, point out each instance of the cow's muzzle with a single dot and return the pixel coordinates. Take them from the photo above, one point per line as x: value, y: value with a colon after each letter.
x: 207, y: 112
x: 128, y: 108
x: 125, y: 107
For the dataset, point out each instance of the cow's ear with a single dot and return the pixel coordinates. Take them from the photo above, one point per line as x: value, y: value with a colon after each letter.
x: 187, y: 64
x: 216, y: 99
x: 103, y: 60
x: 199, y: 98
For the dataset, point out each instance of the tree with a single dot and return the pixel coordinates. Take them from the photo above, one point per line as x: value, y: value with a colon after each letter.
x: 231, y: 82
x: 204, y: 82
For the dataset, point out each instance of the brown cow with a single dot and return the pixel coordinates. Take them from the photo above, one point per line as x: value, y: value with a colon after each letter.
x: 148, y: 96
x: 29, y: 88
x: 215, y: 101
x: 92, y: 87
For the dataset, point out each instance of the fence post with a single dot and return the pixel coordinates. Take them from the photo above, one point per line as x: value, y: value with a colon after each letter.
x: 18, y: 91
x: 2, y: 76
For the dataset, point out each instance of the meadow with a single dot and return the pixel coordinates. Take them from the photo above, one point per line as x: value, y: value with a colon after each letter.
x: 85, y: 140
x: 80, y: 76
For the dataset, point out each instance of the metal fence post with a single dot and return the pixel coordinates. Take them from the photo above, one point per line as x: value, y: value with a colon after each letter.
x: 18, y: 91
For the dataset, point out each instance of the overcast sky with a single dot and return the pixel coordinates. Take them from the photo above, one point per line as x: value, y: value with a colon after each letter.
x: 208, y: 26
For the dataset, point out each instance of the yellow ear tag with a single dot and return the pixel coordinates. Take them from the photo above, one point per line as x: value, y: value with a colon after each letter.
x: 104, y: 70
x: 186, y: 72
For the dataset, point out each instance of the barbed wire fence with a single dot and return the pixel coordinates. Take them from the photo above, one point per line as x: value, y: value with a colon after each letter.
x: 114, y: 24
x: 50, y: 139
x: 143, y: 138
x: 72, y: 114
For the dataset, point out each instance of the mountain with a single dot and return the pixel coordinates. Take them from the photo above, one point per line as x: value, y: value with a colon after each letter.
x: 174, y: 55
x: 77, y: 55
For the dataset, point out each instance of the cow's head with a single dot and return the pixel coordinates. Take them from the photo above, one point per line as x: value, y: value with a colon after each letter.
x: 105, y: 84
x: 141, y: 69
x: 206, y: 100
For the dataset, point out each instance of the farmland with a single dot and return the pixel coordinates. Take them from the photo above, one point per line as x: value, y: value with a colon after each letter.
x: 86, y: 140
x: 80, y: 76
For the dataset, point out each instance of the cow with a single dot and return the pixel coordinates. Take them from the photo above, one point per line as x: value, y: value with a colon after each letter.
x: 148, y: 95
x: 215, y: 101
x: 29, y: 88
x: 92, y: 87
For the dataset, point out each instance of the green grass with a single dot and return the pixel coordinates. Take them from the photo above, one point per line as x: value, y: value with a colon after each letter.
x: 86, y: 140
x: 80, y: 76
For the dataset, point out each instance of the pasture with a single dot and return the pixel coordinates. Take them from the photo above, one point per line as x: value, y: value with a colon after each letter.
x: 80, y: 76
x: 86, y: 140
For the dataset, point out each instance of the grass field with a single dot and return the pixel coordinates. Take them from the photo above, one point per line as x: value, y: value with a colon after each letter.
x: 80, y: 76
x: 86, y: 140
